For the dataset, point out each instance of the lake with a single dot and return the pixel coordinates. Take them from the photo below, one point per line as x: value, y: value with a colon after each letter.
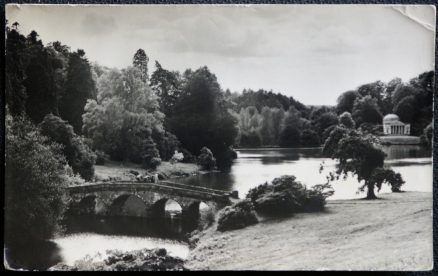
x: 256, y: 166
x: 93, y: 236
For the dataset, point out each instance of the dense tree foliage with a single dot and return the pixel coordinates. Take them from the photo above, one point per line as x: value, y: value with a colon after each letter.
x: 346, y: 101
x: 206, y: 159
x: 35, y: 177
x: 124, y: 116
x: 15, y: 62
x: 167, y: 86
x: 200, y: 116
x: 262, y: 98
x: 411, y: 101
x: 46, y: 79
x: 358, y: 153
x: 79, y: 156
x: 346, y: 120
x: 78, y: 88
x: 285, y: 195
x: 140, y: 61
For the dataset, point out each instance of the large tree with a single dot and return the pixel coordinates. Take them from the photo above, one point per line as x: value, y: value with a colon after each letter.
x: 366, y: 110
x: 140, y: 61
x: 123, y: 117
x: 79, y: 87
x: 359, y: 154
x: 35, y: 178
x: 346, y: 101
x: 167, y: 86
x: 41, y: 79
x: 15, y: 73
x: 76, y: 151
x: 201, y: 118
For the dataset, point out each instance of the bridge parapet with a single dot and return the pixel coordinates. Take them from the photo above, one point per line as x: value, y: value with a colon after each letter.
x: 106, y: 194
x: 160, y: 187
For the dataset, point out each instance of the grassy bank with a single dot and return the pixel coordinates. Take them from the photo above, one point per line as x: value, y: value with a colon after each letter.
x: 122, y: 170
x: 393, y: 233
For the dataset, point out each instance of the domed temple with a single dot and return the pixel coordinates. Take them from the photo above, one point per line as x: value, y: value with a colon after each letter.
x: 393, y: 126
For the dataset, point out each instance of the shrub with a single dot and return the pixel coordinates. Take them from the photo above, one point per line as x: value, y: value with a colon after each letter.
x: 285, y: 196
x: 206, y: 159
x: 188, y: 156
x: 154, y: 163
x: 167, y: 144
x: 79, y: 156
x: 150, y: 154
x: 100, y: 157
x: 177, y: 157
x: 237, y: 216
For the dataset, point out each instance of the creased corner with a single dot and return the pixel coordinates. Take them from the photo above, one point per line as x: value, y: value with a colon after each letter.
x: 423, y: 15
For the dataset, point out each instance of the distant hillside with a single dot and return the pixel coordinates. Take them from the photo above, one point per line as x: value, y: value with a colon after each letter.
x: 262, y: 98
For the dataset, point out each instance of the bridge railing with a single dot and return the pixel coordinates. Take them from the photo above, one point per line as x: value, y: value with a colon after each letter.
x: 187, y: 190
x: 200, y: 188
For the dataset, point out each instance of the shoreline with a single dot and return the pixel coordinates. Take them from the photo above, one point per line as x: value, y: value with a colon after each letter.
x: 348, y: 230
x: 129, y: 171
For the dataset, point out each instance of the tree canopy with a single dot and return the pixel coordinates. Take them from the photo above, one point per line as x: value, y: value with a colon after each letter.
x: 358, y: 153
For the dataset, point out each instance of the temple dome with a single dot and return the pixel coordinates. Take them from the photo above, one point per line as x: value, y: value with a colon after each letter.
x: 391, y: 118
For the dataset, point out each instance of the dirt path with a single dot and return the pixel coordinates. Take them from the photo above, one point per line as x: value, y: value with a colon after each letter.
x: 393, y: 233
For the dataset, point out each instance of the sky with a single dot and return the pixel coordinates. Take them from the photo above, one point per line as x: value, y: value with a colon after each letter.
x: 310, y: 52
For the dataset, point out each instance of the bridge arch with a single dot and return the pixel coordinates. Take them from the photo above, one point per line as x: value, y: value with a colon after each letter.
x: 158, y: 208
x: 83, y: 205
x: 127, y: 204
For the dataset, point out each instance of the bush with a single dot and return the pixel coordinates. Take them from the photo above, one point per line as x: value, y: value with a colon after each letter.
x: 188, y: 156
x: 237, y: 216
x: 79, y: 156
x: 150, y: 154
x: 35, y: 178
x: 154, y: 163
x: 166, y: 143
x: 206, y: 159
x: 100, y: 157
x: 285, y: 196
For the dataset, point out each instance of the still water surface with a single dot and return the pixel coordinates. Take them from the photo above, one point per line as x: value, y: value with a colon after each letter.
x: 91, y: 236
x: 256, y: 166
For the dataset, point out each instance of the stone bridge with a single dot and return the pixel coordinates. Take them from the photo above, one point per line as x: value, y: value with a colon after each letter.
x: 109, y: 198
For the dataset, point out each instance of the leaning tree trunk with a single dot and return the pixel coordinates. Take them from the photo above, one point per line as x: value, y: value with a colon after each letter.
x: 370, y: 191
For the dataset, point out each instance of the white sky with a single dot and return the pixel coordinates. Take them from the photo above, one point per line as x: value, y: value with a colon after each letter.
x: 310, y: 52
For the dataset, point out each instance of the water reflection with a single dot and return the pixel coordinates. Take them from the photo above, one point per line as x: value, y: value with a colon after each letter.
x: 404, y: 151
x: 35, y: 256
x: 167, y: 227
